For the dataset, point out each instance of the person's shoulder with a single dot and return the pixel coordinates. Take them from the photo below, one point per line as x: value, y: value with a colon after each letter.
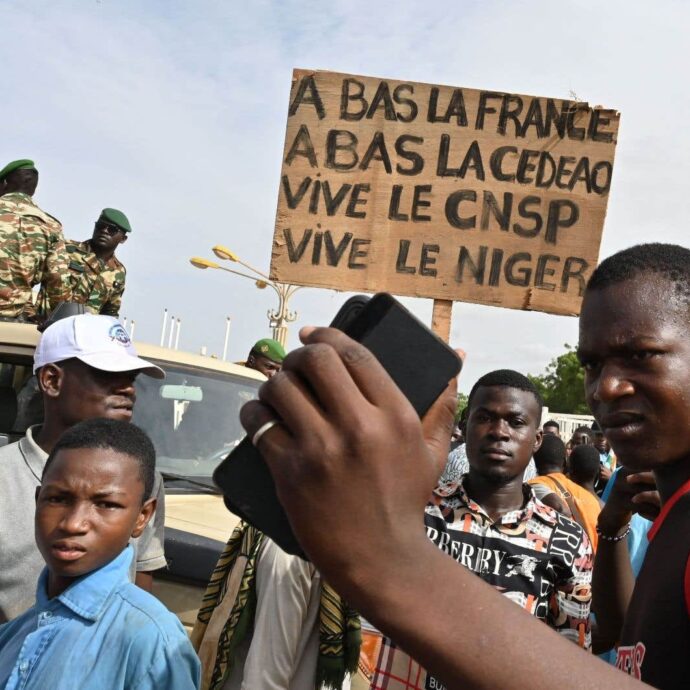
x: 539, y: 490
x: 541, y: 510
x: 54, y: 221
x: 11, y: 628
x: 117, y: 266
x: 25, y: 450
x: 117, y: 273
x: 280, y: 563
x: 542, y: 480
x: 567, y: 535
x: 555, y: 519
x: 146, y: 613
x: 10, y: 220
x: 11, y: 449
x: 10, y: 455
x: 569, y: 548
x: 448, y: 493
x: 8, y: 210
x: 594, y: 502
x: 566, y: 522
x: 28, y: 209
x: 77, y: 246
x: 10, y: 202
x: 158, y: 648
x: 573, y: 486
x: 582, y: 495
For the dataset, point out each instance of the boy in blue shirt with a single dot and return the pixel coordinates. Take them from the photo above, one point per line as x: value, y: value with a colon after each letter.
x: 91, y: 628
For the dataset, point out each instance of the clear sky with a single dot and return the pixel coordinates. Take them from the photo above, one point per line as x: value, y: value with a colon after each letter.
x: 175, y: 113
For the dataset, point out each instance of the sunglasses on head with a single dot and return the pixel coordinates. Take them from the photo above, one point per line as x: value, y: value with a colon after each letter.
x: 110, y: 229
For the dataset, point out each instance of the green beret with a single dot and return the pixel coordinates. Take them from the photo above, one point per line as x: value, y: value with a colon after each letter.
x: 23, y: 164
x: 112, y: 215
x: 270, y: 348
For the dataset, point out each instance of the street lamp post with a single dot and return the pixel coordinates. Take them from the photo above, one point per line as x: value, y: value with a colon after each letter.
x: 277, y: 318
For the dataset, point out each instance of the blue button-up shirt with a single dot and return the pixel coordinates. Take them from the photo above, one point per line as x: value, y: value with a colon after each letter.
x: 101, y: 633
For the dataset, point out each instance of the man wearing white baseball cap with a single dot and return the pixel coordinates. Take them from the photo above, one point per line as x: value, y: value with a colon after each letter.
x: 102, y: 343
x: 85, y: 367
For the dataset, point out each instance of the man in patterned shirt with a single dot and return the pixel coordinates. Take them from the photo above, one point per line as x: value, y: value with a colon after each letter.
x: 95, y: 274
x: 32, y: 248
x: 493, y: 525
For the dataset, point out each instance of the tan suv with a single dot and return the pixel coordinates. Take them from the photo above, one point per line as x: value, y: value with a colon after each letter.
x: 193, y: 419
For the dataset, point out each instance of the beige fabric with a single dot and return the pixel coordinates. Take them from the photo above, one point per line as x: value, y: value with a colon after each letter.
x: 282, y: 651
x: 209, y: 645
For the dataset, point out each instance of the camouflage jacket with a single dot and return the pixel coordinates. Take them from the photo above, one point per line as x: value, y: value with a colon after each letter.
x: 95, y: 283
x: 32, y: 251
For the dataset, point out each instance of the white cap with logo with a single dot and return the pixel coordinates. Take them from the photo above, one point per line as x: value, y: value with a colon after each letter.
x: 99, y: 341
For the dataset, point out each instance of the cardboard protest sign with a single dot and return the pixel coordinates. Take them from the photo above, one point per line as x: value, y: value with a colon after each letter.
x: 441, y: 192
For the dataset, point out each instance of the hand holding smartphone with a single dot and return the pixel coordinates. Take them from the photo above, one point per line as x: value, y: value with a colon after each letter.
x: 419, y: 363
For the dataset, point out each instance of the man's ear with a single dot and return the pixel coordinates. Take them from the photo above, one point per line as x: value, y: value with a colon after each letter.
x: 145, y: 515
x: 537, y: 441
x: 50, y: 378
x: 124, y: 238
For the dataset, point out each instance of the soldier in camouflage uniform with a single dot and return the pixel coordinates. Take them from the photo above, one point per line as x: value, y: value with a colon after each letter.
x: 96, y: 277
x: 32, y: 248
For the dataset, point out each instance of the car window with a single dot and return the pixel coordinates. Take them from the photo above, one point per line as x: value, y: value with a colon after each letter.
x: 192, y: 417
x: 20, y: 400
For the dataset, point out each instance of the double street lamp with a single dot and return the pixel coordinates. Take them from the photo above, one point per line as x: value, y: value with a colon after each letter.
x: 277, y: 318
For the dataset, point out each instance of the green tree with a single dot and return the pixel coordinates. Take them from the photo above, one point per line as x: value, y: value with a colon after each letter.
x: 462, y: 404
x: 562, y: 385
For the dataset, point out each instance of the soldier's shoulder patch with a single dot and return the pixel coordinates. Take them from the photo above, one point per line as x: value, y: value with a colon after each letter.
x: 76, y: 266
x: 28, y: 210
x: 32, y: 217
x: 81, y: 250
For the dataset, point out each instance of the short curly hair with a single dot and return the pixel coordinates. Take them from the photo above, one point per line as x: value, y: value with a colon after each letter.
x: 507, y: 378
x: 121, y: 437
x: 671, y: 261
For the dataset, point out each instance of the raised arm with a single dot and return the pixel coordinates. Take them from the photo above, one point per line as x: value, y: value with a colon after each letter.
x: 353, y: 467
x: 613, y: 580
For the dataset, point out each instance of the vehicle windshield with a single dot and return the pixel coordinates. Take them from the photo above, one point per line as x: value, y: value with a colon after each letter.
x: 192, y: 417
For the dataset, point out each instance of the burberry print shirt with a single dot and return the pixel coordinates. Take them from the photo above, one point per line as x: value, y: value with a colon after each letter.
x: 535, y: 556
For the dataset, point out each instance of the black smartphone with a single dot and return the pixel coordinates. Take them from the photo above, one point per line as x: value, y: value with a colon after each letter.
x: 418, y: 361
x: 350, y: 310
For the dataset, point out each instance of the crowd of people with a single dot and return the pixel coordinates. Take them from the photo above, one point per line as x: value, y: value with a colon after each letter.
x: 382, y: 465
x: 505, y: 559
x: 34, y: 252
